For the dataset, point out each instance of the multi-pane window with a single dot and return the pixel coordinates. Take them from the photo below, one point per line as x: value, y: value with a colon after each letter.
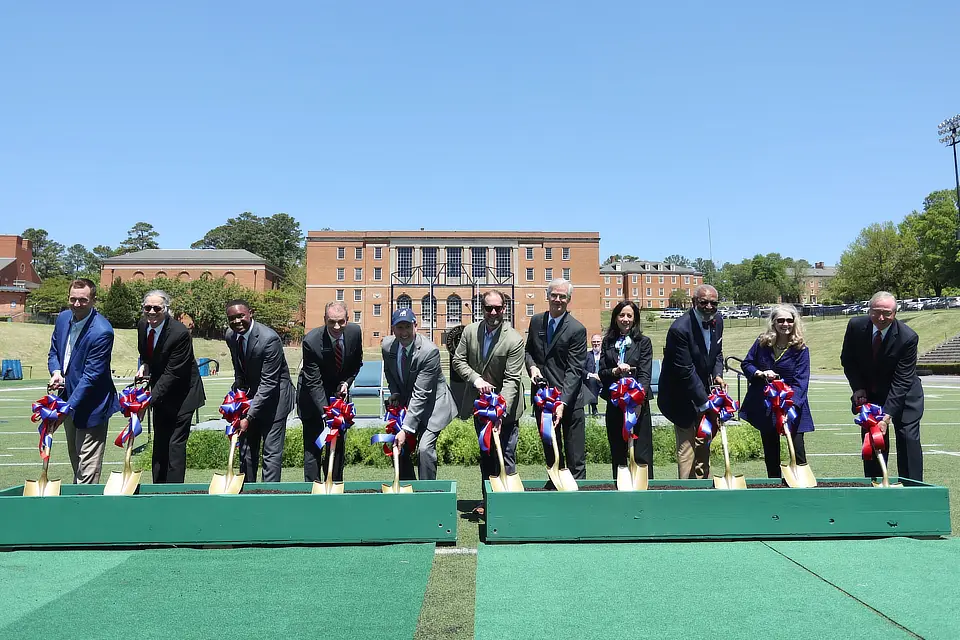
x: 454, y: 309
x: 619, y: 280
x: 428, y: 309
x: 673, y: 280
x: 566, y: 253
x: 548, y: 253
x: 404, y: 262
x: 378, y: 253
x: 529, y: 274
x: 649, y: 292
x: 340, y: 295
x: 661, y: 292
x: 619, y: 292
x: 358, y: 253
x: 686, y: 279
x: 648, y: 279
x: 633, y: 278
x: 529, y: 253
x: 566, y: 273
x: 606, y: 304
x: 429, y: 262
x: 478, y: 308
x: 378, y: 273
x: 661, y: 279
x: 503, y: 262
x: 377, y: 309
x: 357, y: 274
x: 606, y: 279
x: 454, y: 262
x: 661, y: 304
x: 404, y: 302
x: 356, y: 317
x: 341, y: 252
x: 606, y: 291
x: 548, y: 274
x: 649, y: 303
x: 508, y: 309
x: 634, y: 292
x: 529, y: 310
x: 340, y: 273
x: 479, y: 256
x: 358, y: 295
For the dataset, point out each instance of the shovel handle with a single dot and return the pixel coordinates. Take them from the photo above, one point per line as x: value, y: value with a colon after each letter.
x: 396, y: 468
x: 331, y: 452
x: 503, y: 469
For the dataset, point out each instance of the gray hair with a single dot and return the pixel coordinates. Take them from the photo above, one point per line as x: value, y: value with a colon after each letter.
x: 559, y: 282
x: 882, y: 295
x: 704, y: 288
x: 158, y: 293
x: 335, y: 303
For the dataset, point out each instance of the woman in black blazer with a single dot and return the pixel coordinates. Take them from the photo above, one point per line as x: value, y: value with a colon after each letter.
x: 627, y: 353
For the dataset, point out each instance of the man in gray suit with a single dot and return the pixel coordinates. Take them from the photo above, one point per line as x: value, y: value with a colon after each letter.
x: 411, y: 364
x: 260, y: 369
x: 490, y: 357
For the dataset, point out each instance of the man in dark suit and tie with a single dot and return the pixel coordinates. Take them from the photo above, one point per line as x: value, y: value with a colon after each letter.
x: 556, y: 355
x: 79, y: 365
x: 176, y: 391
x: 260, y: 369
x: 879, y: 358
x: 692, y: 363
x: 411, y: 365
x: 332, y: 357
x: 591, y: 379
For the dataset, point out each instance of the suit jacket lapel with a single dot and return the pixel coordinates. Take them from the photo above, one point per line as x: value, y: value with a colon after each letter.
x: 161, y: 339
x: 697, y: 329
x: 893, y: 334
x: 408, y: 378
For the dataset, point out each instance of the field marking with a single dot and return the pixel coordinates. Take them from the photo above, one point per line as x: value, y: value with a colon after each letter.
x: 51, y: 464
x: 944, y: 453
x: 455, y: 551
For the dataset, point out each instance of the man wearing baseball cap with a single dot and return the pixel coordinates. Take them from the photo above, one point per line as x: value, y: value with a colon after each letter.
x: 411, y: 364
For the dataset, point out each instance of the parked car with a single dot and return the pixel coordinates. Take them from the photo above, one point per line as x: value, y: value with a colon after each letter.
x: 671, y: 313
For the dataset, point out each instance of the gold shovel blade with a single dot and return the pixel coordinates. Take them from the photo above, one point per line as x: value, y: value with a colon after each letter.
x: 222, y: 484
x: 496, y: 485
x: 48, y: 489
x: 624, y: 480
x: 403, y: 488
x: 554, y: 476
x: 323, y: 489
x: 514, y: 483
x: 729, y: 482
x: 118, y: 485
x: 567, y: 481
x: 799, y: 476
x: 640, y: 477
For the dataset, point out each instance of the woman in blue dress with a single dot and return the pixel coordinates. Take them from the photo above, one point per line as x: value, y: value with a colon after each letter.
x: 779, y: 352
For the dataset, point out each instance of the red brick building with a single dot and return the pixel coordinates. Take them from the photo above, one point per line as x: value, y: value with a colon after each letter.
x: 440, y: 274
x: 649, y: 283
x: 235, y: 265
x: 17, y: 277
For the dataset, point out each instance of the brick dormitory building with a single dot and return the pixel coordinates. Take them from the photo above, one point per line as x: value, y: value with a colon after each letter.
x: 439, y: 274
x: 234, y: 265
x: 17, y: 277
x: 649, y: 283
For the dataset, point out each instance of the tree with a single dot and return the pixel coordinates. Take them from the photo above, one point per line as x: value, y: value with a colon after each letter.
x: 758, y: 292
x: 47, y: 254
x: 277, y: 239
x: 880, y: 259
x: 78, y: 260
x: 140, y: 236
x: 100, y: 253
x: 934, y: 230
x: 679, y: 299
x: 677, y: 260
x: 620, y: 258
x: 791, y: 290
x: 707, y: 268
x: 120, y: 305
x: 50, y: 296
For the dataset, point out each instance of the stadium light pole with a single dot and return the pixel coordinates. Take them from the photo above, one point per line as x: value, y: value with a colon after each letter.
x: 949, y: 132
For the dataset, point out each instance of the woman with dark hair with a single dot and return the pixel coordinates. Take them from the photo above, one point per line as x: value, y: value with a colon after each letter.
x: 627, y: 353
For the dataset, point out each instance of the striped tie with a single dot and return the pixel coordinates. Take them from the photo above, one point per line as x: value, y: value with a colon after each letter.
x: 338, y: 354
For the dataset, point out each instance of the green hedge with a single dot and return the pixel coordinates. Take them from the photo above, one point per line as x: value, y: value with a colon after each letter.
x: 457, y: 445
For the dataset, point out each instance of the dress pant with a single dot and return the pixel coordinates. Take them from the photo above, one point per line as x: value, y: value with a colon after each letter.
x: 572, y: 443
x: 771, y: 451
x: 642, y: 446
x: 426, y: 458
x: 85, y: 447
x: 909, y: 452
x: 269, y: 438
x: 593, y: 409
x: 693, y: 453
x: 489, y: 463
x: 315, y: 459
x: 170, y: 433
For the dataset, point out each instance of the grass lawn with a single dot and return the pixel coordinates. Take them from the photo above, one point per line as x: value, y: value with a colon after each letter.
x: 448, y: 608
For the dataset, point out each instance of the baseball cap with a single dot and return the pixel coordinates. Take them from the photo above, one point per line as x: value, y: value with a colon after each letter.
x: 403, y: 315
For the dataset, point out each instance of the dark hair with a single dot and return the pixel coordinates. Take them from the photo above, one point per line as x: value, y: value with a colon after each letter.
x: 497, y: 292
x: 83, y: 283
x: 613, y: 332
x: 236, y: 302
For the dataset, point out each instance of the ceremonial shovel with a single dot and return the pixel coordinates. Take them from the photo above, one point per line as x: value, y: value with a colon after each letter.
x: 633, y: 477
x: 562, y: 479
x: 42, y: 487
x: 396, y: 487
x: 795, y: 475
x: 125, y: 483
x: 229, y: 483
x: 328, y: 487
x: 728, y: 480
x: 885, y: 480
x: 504, y: 482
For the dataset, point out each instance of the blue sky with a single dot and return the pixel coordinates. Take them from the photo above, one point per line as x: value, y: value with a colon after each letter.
x: 791, y: 128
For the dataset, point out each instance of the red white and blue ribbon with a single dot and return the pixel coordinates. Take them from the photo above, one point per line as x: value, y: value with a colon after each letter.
x: 133, y: 404
x: 234, y: 409
x: 47, y: 410
x: 721, y: 405
x: 394, y: 418
x: 547, y: 398
x: 778, y: 396
x: 490, y: 407
x: 628, y: 395
x: 869, y: 418
x: 338, y: 416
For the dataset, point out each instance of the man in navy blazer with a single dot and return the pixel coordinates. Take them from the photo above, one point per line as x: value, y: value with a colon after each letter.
x: 692, y: 363
x: 79, y: 365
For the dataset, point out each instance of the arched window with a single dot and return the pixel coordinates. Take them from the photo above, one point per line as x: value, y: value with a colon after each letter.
x: 138, y: 275
x: 454, y: 310
x: 206, y: 275
x: 478, y: 308
x: 230, y: 277
x: 404, y: 302
x: 507, y: 309
x: 161, y: 274
x: 428, y: 310
x: 184, y: 275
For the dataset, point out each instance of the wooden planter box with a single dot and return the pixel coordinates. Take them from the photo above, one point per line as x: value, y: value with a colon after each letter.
x: 917, y: 509
x: 81, y: 516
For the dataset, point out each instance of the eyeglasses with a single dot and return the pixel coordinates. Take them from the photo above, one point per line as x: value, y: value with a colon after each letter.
x: 559, y: 296
x: 707, y: 303
x: 784, y: 320
x: 156, y: 308
x: 490, y: 308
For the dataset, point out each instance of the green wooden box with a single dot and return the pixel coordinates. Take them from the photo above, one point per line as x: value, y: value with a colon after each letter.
x: 81, y: 516
x: 916, y: 509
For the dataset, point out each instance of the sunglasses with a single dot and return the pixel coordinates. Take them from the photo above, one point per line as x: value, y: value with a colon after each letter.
x: 490, y: 308
x: 707, y: 303
x: 152, y: 307
x: 784, y: 320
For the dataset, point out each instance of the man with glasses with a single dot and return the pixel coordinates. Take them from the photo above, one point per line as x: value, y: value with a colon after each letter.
x: 176, y: 391
x: 591, y: 374
x: 692, y: 363
x: 489, y: 358
x: 556, y: 356
x: 79, y: 362
x: 879, y: 358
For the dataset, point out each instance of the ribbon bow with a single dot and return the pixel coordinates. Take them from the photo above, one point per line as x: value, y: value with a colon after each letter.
x: 778, y: 396
x: 869, y: 418
x: 547, y: 398
x: 394, y: 417
x: 720, y: 405
x: 338, y: 416
x: 490, y: 407
x: 234, y: 408
x: 133, y: 404
x: 628, y: 395
x: 47, y: 410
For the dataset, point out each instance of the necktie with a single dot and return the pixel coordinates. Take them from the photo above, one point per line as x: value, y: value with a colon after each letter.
x: 877, y: 342
x: 338, y: 353
x: 243, y: 353
x: 709, y: 324
x: 551, y: 328
x: 150, y: 336
x: 403, y: 361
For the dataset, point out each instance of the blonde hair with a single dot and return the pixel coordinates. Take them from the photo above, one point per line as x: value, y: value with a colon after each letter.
x: 769, y: 337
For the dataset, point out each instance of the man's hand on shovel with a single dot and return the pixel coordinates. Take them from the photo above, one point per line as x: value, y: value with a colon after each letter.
x: 343, y: 390
x: 242, y: 426
x: 558, y: 413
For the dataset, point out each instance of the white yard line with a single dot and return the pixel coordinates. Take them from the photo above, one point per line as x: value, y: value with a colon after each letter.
x: 455, y: 551
x: 52, y: 464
